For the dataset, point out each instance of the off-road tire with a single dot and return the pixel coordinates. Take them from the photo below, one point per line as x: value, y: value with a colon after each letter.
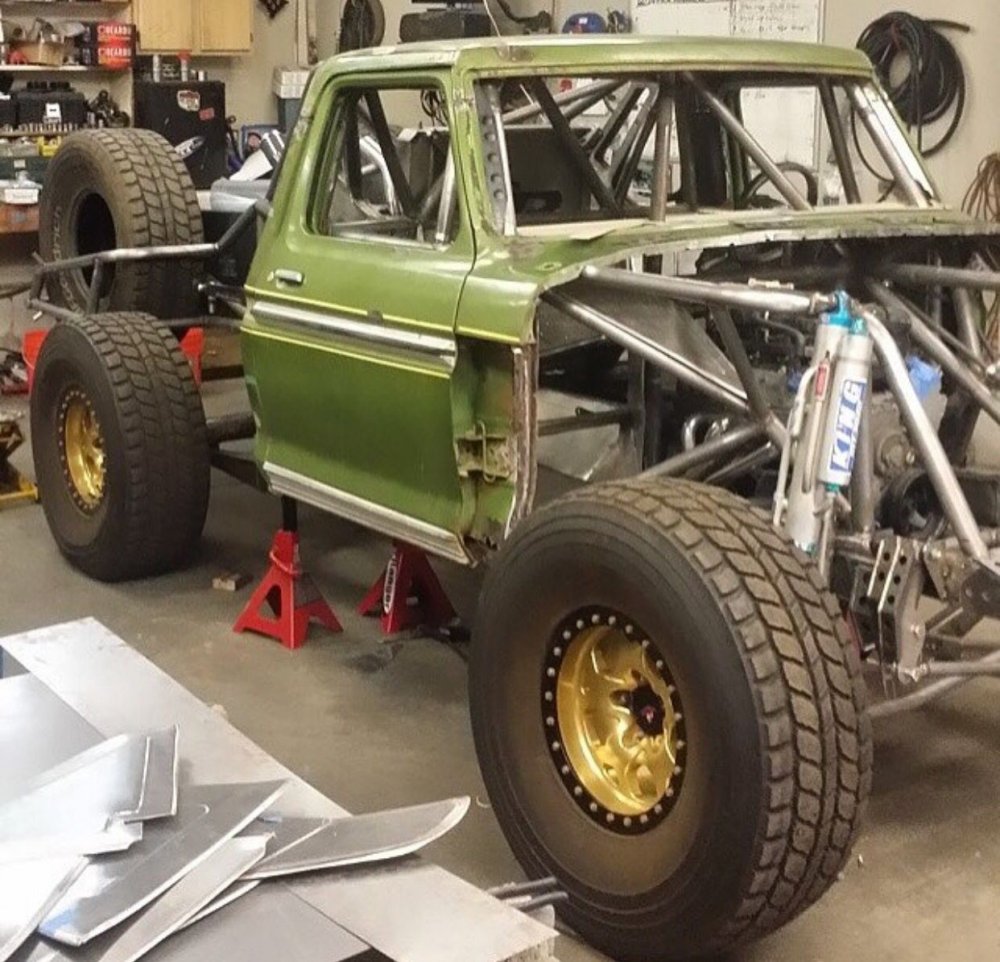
x: 121, y: 188
x: 774, y: 706
x: 131, y: 370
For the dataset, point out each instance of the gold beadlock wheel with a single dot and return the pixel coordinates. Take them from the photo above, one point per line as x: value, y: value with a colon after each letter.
x: 118, y: 438
x: 82, y: 450
x: 614, y: 721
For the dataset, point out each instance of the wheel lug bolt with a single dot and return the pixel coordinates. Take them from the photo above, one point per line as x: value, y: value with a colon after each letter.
x: 609, y: 818
x: 579, y: 623
x: 551, y: 672
x: 548, y: 696
x: 577, y: 791
x: 593, y: 806
x: 564, y: 769
x: 556, y: 746
x: 627, y: 822
x: 557, y: 652
x: 550, y: 721
x: 567, y: 635
x: 658, y: 809
x: 595, y: 619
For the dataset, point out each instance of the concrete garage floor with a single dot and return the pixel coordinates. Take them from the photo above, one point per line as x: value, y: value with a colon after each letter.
x: 376, y: 725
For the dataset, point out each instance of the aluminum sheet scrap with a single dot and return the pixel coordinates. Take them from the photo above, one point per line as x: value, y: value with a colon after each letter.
x: 71, y: 809
x: 159, y: 788
x: 409, y: 910
x: 357, y: 839
x: 235, y: 891
x: 169, y: 913
x: 37, y: 730
x: 271, y: 924
x: 28, y: 890
x: 112, y: 890
x: 285, y: 831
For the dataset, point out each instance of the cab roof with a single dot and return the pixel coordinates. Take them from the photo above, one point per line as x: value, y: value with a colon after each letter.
x: 602, y: 53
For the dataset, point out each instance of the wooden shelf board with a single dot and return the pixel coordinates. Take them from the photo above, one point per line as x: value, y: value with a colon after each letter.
x: 65, y: 68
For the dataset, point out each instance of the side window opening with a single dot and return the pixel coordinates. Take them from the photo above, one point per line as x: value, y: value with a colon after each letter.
x: 391, y: 172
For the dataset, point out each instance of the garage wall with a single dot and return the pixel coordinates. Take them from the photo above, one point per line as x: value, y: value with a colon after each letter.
x: 249, y: 78
x: 979, y: 134
x: 954, y: 167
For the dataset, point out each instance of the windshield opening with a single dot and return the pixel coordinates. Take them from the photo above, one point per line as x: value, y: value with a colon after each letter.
x: 577, y: 149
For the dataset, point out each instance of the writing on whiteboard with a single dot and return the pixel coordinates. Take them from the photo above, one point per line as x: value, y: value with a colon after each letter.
x: 783, y: 120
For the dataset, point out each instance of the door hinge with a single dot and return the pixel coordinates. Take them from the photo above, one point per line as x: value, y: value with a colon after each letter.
x: 486, y: 454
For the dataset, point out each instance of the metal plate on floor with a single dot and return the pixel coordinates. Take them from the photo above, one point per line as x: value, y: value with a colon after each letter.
x: 284, y: 831
x: 112, y: 890
x: 28, y: 890
x: 271, y: 923
x: 37, y: 731
x: 232, y: 894
x: 66, y: 810
x: 159, y: 793
x: 358, y: 839
x: 169, y: 913
x: 408, y: 911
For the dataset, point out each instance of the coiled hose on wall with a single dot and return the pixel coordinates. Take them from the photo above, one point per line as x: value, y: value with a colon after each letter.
x: 920, y: 70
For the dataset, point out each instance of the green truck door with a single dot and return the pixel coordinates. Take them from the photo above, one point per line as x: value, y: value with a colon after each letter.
x: 349, y: 342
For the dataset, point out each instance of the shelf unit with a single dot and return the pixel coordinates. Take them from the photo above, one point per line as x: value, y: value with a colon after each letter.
x: 89, y: 80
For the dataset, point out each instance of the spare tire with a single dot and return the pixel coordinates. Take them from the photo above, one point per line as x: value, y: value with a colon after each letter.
x: 107, y: 189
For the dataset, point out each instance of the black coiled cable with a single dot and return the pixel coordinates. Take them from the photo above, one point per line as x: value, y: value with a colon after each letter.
x: 933, y: 83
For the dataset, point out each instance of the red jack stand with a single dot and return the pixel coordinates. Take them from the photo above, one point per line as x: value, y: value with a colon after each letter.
x: 287, y: 590
x: 408, y: 594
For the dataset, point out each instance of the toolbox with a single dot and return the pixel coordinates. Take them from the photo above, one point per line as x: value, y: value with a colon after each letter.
x: 34, y: 168
x: 53, y: 103
x: 8, y: 111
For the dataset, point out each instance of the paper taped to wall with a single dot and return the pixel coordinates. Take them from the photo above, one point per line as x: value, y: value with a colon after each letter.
x: 785, y: 121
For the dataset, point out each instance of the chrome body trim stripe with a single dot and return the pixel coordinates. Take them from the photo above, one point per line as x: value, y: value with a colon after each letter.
x: 351, y: 328
x: 392, y: 523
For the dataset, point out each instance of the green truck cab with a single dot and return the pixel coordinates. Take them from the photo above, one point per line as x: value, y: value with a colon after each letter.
x: 538, y: 303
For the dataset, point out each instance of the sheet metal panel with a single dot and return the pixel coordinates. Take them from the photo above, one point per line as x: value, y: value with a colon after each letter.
x: 27, y: 891
x: 112, y: 890
x: 66, y: 810
x: 37, y: 731
x: 159, y: 791
x: 413, y: 912
x: 357, y: 839
x: 272, y: 923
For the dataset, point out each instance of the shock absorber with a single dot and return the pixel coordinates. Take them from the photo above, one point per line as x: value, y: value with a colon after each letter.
x: 823, y: 429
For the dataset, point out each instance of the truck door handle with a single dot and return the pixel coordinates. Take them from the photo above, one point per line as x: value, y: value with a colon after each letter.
x: 293, y: 278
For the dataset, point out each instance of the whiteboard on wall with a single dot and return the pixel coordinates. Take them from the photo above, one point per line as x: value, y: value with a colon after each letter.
x: 785, y: 121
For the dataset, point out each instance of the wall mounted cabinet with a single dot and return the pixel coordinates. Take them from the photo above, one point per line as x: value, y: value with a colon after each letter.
x: 206, y: 28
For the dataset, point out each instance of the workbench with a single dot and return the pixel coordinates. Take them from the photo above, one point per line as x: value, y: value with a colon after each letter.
x: 88, y: 684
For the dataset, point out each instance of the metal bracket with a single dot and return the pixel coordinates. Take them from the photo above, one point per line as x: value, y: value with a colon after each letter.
x: 484, y: 453
x: 896, y: 586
